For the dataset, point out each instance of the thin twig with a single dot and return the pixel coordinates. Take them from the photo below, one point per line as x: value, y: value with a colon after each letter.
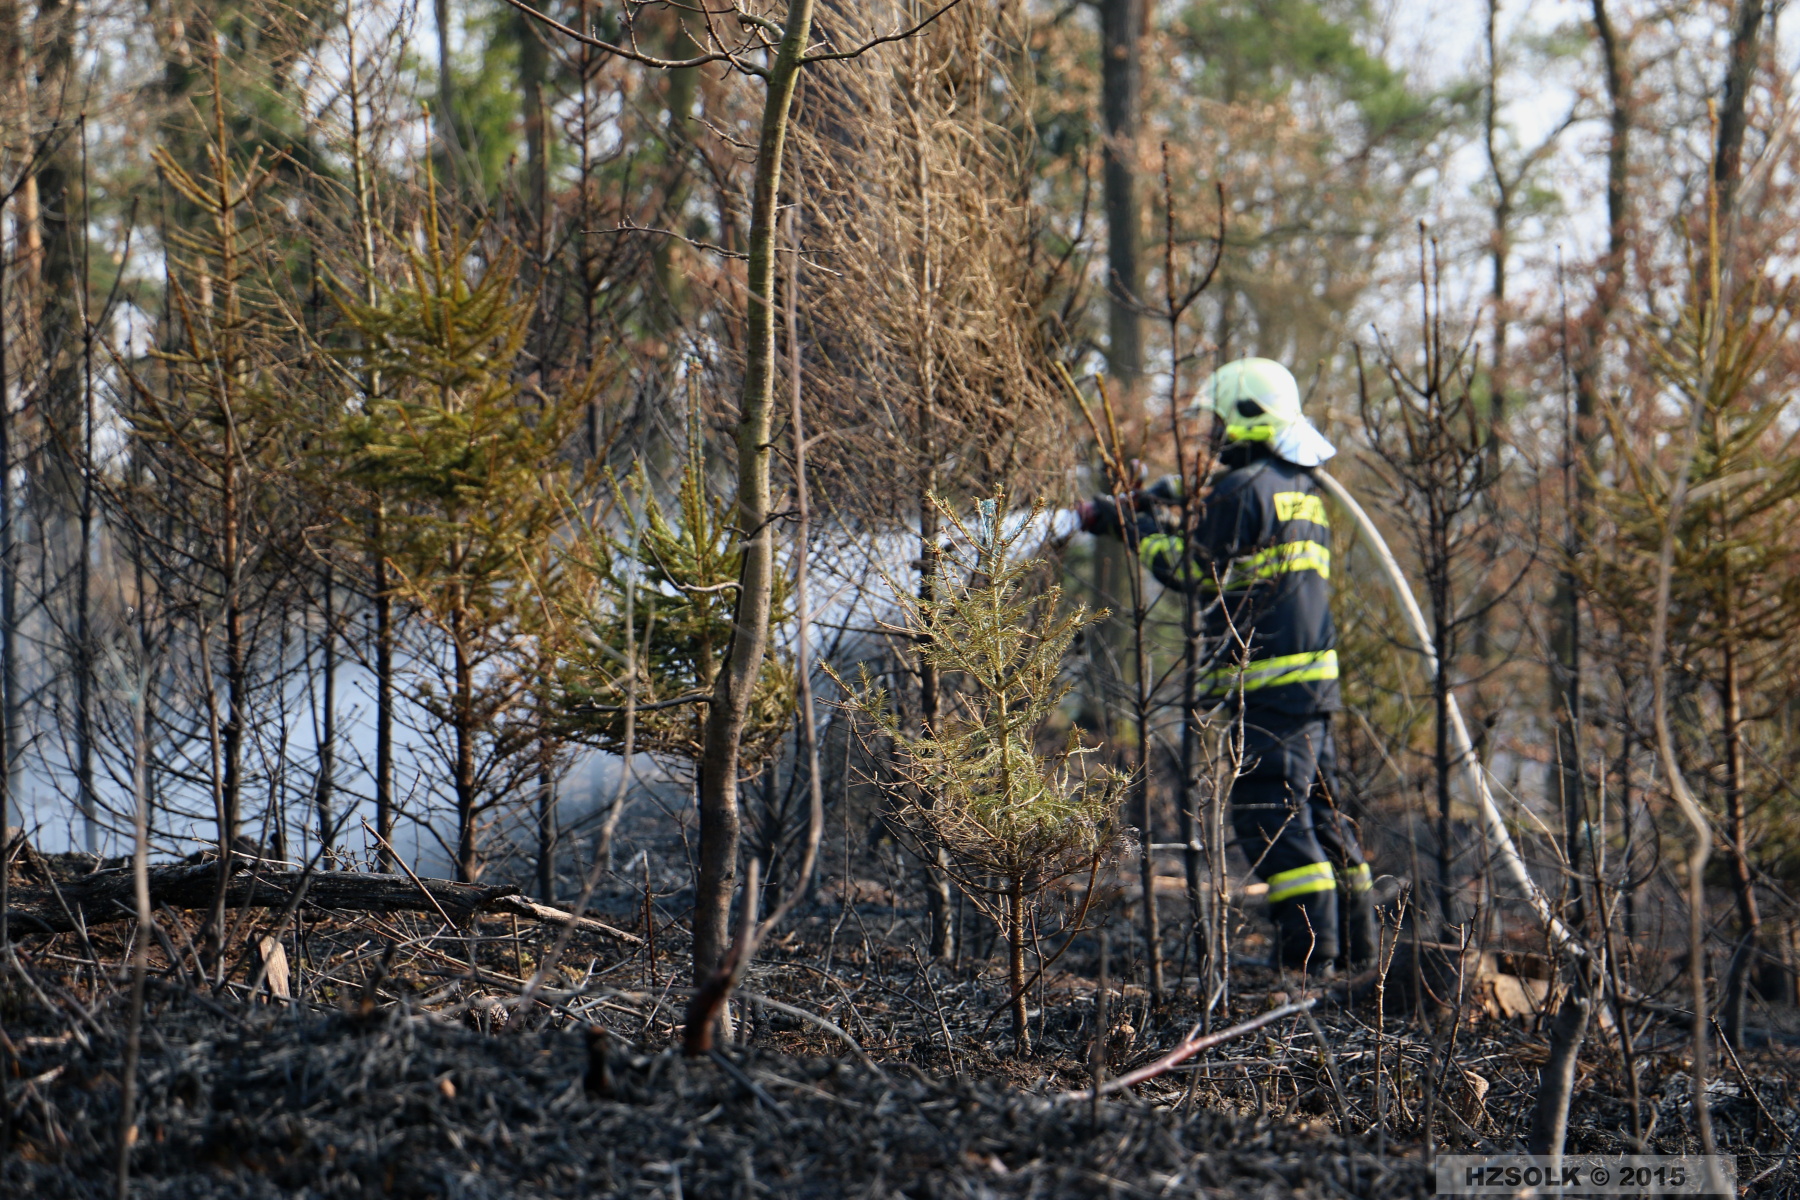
x: 1189, y: 1046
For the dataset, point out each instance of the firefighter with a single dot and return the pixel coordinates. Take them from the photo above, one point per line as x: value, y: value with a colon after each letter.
x: 1261, y: 558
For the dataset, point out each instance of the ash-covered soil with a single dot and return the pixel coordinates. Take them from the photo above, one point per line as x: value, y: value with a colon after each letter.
x: 412, y: 1106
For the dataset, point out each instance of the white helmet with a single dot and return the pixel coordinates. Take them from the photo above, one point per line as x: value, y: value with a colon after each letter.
x: 1259, y: 401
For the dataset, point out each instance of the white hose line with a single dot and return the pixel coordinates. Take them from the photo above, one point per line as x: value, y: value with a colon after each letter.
x: 1494, y: 824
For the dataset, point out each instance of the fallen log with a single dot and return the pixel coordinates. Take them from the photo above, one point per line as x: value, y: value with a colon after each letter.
x: 107, y: 896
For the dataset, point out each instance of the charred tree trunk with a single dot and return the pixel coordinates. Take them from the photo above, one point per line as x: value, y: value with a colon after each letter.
x: 1191, y: 859
x: 938, y: 901
x: 236, y: 671
x: 83, y: 656
x: 1437, y: 582
x: 1153, y: 950
x: 468, y: 850
x: 59, y: 263
x: 1566, y: 656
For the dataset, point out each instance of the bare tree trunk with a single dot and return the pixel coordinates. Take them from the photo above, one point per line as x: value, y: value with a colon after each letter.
x: 680, y: 87
x: 935, y: 869
x: 1581, y: 428
x: 8, y: 584
x: 1122, y: 28
x: 468, y: 858
x: 533, y: 64
x: 1122, y: 32
x: 13, y: 61
x: 1684, y: 796
x: 29, y: 256
x: 938, y: 901
x: 1015, y: 964
x: 1556, y: 1086
x: 1740, y: 71
x: 720, y: 819
x: 322, y: 796
x: 57, y: 176
x: 1153, y: 949
x: 548, y: 831
x: 1499, y: 258
x: 17, y: 86
x: 449, y: 145
x: 140, y: 944
x: 384, y: 698
x: 1743, y: 882
x: 83, y: 657
x: 803, y: 693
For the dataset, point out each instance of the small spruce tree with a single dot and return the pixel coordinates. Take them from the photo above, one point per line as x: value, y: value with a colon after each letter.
x: 469, y: 462
x: 1006, y: 809
x: 685, y: 565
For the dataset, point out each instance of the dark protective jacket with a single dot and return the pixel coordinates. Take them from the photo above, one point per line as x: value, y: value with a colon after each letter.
x: 1261, y: 555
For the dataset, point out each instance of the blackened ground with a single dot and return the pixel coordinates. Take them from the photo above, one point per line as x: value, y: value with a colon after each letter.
x: 408, y: 1105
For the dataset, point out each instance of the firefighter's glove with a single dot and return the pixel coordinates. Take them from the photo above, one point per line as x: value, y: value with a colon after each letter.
x: 1166, y: 490
x: 1099, y: 515
x: 1112, y: 516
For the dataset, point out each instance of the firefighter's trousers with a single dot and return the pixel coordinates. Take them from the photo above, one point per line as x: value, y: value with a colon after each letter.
x: 1300, y: 843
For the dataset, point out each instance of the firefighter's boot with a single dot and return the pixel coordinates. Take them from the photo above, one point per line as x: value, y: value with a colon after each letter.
x: 1306, y: 932
x: 1360, y: 942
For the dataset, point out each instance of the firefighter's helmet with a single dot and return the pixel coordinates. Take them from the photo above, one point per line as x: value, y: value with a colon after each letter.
x: 1259, y: 401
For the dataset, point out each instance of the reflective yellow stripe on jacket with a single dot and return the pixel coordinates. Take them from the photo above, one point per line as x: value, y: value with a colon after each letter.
x: 1358, y: 879
x: 1264, y: 564
x: 1301, y: 881
x: 1310, y: 667
x: 1280, y: 560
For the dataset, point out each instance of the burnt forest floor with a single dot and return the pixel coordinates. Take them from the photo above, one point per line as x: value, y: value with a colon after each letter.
x: 399, y: 1069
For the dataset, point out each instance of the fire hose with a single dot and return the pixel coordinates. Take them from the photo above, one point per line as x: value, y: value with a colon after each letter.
x: 1493, y: 823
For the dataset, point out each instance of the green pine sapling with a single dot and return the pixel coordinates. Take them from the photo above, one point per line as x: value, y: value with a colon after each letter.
x: 468, y: 462
x: 686, y: 565
x: 1015, y: 816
